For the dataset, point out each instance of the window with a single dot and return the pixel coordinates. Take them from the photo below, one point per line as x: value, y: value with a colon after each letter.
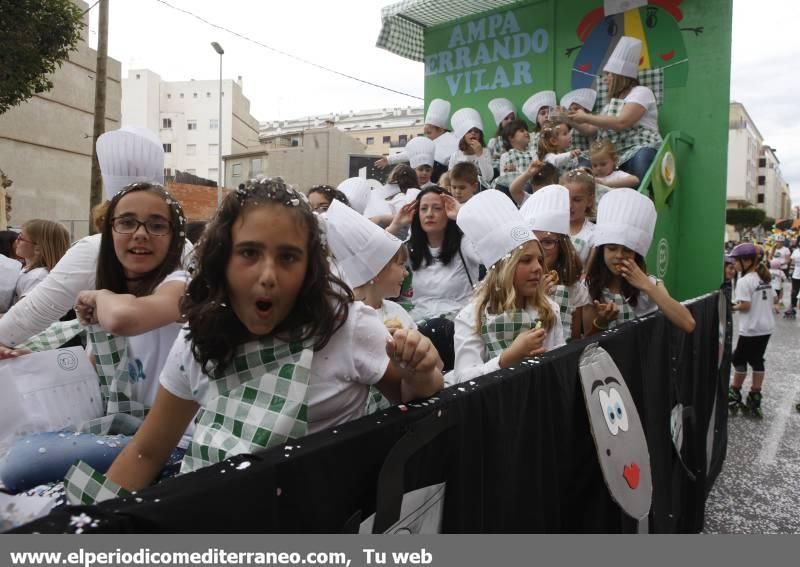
x: 166, y: 123
x: 387, y: 139
x: 181, y: 95
x: 167, y: 172
x: 255, y: 166
x: 208, y: 95
x: 762, y: 162
x: 191, y: 124
x: 213, y: 149
x: 191, y: 149
x: 421, y: 134
x: 236, y: 170
x: 138, y: 76
x: 762, y: 179
x: 370, y: 141
x: 403, y: 139
x: 167, y: 148
x: 194, y: 95
x: 169, y: 95
x: 760, y: 197
x: 213, y: 124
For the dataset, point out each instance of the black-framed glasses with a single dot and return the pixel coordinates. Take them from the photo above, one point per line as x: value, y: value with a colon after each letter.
x: 129, y: 225
x: 548, y: 243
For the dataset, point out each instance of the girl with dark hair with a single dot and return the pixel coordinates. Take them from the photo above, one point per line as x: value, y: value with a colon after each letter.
x: 617, y: 277
x: 320, y: 197
x: 468, y: 129
x: 385, y: 203
x: 753, y: 297
x: 274, y: 348
x: 132, y: 320
x: 10, y: 269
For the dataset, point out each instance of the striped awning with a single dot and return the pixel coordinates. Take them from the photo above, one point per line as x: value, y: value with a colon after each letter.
x: 404, y: 23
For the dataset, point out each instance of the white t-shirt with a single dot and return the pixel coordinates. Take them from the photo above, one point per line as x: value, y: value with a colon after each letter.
x: 29, y: 280
x: 796, y: 261
x: 643, y: 96
x: 10, y: 271
x: 472, y: 356
x: 583, y: 242
x: 391, y: 311
x: 759, y: 319
x: 354, y: 358
x: 778, y: 277
x: 483, y: 162
x: 440, y: 288
x: 783, y: 254
x: 381, y: 201
x: 644, y: 303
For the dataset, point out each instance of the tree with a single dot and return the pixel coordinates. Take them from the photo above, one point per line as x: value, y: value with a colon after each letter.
x: 37, y: 37
x: 744, y: 218
x: 768, y: 223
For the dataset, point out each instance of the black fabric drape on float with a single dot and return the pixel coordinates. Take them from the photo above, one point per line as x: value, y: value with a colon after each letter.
x: 515, y: 450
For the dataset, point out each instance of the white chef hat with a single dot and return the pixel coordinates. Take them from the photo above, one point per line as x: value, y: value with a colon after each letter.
x: 445, y: 146
x: 583, y: 97
x: 537, y: 101
x: 624, y: 60
x: 129, y: 155
x: 548, y: 209
x: 357, y: 190
x: 361, y: 248
x: 438, y: 113
x: 495, y: 226
x: 464, y: 120
x: 420, y: 151
x: 626, y: 217
x: 500, y: 108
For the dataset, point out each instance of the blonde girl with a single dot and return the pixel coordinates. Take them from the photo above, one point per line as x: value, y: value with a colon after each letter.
x: 555, y: 140
x: 604, y: 167
x: 41, y: 243
x: 580, y: 184
x: 510, y: 317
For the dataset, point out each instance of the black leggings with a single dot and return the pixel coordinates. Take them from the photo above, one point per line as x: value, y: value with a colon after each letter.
x: 750, y: 350
x: 795, y: 290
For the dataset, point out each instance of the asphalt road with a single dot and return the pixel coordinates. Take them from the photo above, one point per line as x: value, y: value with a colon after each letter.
x: 758, y: 490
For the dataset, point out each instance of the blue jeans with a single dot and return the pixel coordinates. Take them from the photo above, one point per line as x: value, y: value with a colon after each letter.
x: 46, y: 457
x: 639, y: 163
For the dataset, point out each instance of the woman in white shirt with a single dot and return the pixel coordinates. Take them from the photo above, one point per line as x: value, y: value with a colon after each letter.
x: 630, y: 119
x: 41, y: 243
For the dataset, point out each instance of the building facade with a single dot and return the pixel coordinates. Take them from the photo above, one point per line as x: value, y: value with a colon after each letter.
x: 46, y: 142
x: 311, y: 157
x: 185, y: 114
x: 381, y: 131
x: 773, y: 192
x: 744, y: 148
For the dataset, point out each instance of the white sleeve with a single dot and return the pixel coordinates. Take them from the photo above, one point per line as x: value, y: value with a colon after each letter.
x: 555, y: 336
x: 470, y: 350
x: 579, y: 295
x: 641, y: 96
x: 399, y: 157
x: 485, y: 165
x: 27, y: 281
x: 454, y: 159
x: 557, y: 160
x: 744, y: 289
x: 180, y: 362
x: 53, y: 297
x: 368, y: 343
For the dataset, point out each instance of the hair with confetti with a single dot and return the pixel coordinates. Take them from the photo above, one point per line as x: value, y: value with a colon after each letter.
x: 111, y: 274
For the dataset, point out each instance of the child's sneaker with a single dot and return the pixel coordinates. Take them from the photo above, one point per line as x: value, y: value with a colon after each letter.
x: 754, y: 404
x: 735, y: 400
x: 790, y: 314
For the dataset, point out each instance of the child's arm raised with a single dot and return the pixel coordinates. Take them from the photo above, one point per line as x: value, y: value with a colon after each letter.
x: 127, y: 315
x: 678, y: 314
x: 517, y: 188
x: 414, y: 365
x: 144, y: 457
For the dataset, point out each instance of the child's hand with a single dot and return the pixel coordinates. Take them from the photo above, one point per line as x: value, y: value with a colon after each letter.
x: 451, y: 206
x: 86, y: 307
x: 634, y: 275
x: 575, y: 153
x: 7, y: 352
x: 510, y: 167
x: 535, y: 167
x: 528, y: 343
x: 381, y: 163
x: 577, y: 116
x: 413, y: 351
x: 606, y: 311
x: 475, y: 145
x: 550, y: 282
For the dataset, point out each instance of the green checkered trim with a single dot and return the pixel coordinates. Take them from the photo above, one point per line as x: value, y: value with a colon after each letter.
x: 499, y: 331
x: 116, y: 384
x: 404, y: 23
x: 653, y: 79
x: 86, y: 486
x: 625, y: 311
x: 260, y: 401
x: 54, y: 336
x: 520, y: 160
x: 560, y: 295
x: 376, y: 401
x: 629, y: 141
x: 581, y: 142
x: 580, y: 245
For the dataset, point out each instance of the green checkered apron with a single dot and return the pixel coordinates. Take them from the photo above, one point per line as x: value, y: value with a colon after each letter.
x: 499, y: 331
x: 54, y: 336
x: 259, y: 402
x: 625, y: 311
x: 629, y: 141
x: 376, y: 401
x: 561, y: 296
x: 581, y: 142
x: 124, y: 413
x: 85, y: 486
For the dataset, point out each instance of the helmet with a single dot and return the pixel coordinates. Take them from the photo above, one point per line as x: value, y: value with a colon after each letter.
x: 744, y: 249
x: 775, y: 264
x: 729, y: 259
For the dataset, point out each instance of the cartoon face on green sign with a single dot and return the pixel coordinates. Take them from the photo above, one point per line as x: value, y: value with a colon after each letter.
x: 656, y: 25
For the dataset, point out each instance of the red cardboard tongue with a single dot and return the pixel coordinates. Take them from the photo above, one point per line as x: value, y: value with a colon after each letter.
x: 631, y: 474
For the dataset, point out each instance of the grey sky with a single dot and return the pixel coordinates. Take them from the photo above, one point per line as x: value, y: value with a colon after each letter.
x: 342, y: 35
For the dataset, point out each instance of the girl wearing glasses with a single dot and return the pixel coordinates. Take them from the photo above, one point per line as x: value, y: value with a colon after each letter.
x: 320, y: 197
x: 547, y: 213
x: 41, y: 244
x: 132, y: 318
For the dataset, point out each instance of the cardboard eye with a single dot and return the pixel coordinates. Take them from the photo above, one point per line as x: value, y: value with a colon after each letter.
x: 618, y: 407
x: 609, y: 413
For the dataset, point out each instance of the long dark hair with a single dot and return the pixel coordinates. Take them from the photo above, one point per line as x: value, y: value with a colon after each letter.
x: 598, y: 277
x: 403, y: 176
x: 321, y: 306
x: 759, y: 267
x: 7, y: 239
x: 512, y: 128
x: 111, y: 274
x: 418, y: 242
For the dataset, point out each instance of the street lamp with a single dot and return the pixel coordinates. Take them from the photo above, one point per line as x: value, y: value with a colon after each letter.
x: 218, y: 48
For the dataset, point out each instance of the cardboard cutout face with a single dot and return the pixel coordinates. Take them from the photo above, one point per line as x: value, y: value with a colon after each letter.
x: 617, y: 432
